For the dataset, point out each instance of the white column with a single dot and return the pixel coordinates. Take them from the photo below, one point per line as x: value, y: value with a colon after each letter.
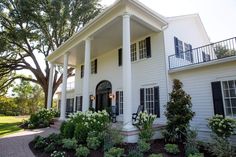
x: 76, y: 86
x: 50, y: 85
x: 127, y: 84
x: 85, y: 106
x: 64, y: 84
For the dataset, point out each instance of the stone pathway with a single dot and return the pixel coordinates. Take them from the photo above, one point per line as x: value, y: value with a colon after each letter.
x: 16, y: 145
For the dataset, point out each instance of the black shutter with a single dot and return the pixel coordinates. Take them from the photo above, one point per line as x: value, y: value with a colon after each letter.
x: 67, y: 105
x: 156, y: 101
x: 82, y: 71
x: 148, y: 45
x: 90, y: 101
x: 142, y: 97
x: 117, y: 102
x: 176, y: 47
x: 76, y: 103
x: 191, y: 52
x: 217, y: 98
x: 81, y: 102
x: 95, y: 62
x: 73, y: 105
x: 120, y: 57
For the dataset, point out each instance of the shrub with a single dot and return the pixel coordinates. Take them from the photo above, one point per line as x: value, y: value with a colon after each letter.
x: 172, y: 148
x: 40, y: 143
x: 93, y: 141
x: 156, y: 155
x: 82, y: 151
x: 69, y: 143
x: 68, y: 129
x: 135, y: 153
x: 110, y: 138
x: 144, y: 125
x: 178, y: 113
x: 143, y: 146
x: 55, y: 138
x: 114, y: 152
x: 191, y: 146
x: 196, y: 155
x: 50, y: 148
x: 81, y: 132
x: 222, y: 126
x: 221, y: 147
x: 58, y: 154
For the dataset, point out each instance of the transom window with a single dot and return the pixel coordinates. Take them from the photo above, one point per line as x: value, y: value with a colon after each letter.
x: 229, y: 93
x: 133, y: 52
x: 149, y: 100
x: 142, y: 49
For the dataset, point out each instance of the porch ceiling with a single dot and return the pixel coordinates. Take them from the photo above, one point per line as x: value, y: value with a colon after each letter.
x: 108, y: 38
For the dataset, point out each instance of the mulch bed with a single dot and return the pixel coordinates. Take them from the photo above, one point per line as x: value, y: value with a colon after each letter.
x: 157, y: 146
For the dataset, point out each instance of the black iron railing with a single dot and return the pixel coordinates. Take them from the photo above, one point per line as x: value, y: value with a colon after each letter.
x: 213, y: 51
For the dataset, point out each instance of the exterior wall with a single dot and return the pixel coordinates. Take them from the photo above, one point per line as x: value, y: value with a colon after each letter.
x: 197, y: 83
x: 145, y: 73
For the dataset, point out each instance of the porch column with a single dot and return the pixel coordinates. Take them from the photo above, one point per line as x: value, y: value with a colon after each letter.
x: 127, y: 84
x: 85, y: 106
x: 64, y: 84
x: 50, y: 85
x: 76, y: 85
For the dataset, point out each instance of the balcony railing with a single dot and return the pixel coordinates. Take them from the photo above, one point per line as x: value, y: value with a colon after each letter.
x: 207, y: 53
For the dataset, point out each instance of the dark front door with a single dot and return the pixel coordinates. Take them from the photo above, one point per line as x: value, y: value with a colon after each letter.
x: 102, y: 95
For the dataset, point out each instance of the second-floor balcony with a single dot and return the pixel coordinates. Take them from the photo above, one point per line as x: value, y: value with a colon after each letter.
x: 207, y: 53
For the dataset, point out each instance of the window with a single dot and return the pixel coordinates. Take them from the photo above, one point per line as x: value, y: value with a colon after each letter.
x: 142, y: 49
x: 149, y: 100
x: 133, y: 52
x: 94, y: 67
x: 78, y: 106
x: 119, y: 102
x: 69, y: 106
x: 229, y: 96
x: 178, y: 48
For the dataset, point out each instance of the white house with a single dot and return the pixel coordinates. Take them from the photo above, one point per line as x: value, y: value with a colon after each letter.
x: 129, y: 55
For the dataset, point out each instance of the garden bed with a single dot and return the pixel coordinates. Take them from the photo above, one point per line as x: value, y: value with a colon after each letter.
x: 157, y: 146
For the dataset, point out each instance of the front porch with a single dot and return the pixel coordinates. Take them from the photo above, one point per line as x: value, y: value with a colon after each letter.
x: 116, y: 28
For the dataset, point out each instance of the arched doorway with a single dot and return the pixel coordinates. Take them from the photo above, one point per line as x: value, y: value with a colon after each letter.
x: 103, y: 90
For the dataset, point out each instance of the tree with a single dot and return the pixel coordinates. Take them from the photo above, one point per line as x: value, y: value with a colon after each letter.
x: 178, y: 113
x: 28, y: 97
x: 32, y: 29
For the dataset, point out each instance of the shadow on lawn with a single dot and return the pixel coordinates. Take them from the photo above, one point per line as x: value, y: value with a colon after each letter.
x: 6, y: 128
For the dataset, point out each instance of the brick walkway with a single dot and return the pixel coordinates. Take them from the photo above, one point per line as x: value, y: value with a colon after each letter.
x: 16, y: 145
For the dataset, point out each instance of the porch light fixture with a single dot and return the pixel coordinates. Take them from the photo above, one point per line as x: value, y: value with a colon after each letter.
x: 92, y: 97
x: 111, y: 96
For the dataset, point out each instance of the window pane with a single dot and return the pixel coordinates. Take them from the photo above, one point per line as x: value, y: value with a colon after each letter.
x: 234, y: 111
x: 231, y: 84
x: 233, y: 102
x: 227, y: 103
x: 225, y: 85
x: 232, y: 93
x: 228, y: 111
x: 226, y: 93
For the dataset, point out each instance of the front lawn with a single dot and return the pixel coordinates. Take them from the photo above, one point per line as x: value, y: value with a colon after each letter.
x: 10, y: 124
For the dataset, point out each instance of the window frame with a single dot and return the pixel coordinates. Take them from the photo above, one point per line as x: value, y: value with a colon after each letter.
x: 121, y: 102
x: 142, y: 49
x: 151, y: 100
x: 133, y: 52
x: 229, y: 97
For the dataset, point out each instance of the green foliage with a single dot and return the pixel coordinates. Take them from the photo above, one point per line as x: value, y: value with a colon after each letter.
x: 58, y: 154
x: 222, y: 126
x: 110, y: 138
x: 144, y: 125
x: 68, y: 129
x: 196, y: 155
x: 9, y: 107
x: 221, y: 147
x: 41, y: 119
x: 156, y: 155
x: 93, y: 141
x: 114, y: 152
x: 222, y: 52
x: 55, y: 138
x: 50, y: 148
x: 40, y: 143
x: 191, y: 146
x: 31, y: 30
x: 69, y: 143
x: 172, y: 148
x: 82, y: 151
x: 135, y: 153
x: 178, y: 113
x: 143, y: 146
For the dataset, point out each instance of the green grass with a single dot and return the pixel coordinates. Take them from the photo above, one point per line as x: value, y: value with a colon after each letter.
x: 9, y: 124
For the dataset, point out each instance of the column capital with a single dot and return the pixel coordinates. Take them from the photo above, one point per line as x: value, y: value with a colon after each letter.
x: 126, y: 15
x: 88, y: 39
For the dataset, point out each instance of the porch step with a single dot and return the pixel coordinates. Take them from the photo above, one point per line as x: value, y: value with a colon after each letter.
x: 57, y: 124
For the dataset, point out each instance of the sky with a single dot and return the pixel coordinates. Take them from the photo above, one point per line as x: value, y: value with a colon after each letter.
x: 218, y: 16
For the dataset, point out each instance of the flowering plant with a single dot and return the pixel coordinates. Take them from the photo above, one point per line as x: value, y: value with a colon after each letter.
x: 222, y: 126
x: 144, y: 124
